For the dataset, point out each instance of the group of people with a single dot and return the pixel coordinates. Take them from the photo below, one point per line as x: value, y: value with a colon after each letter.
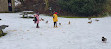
x: 36, y: 19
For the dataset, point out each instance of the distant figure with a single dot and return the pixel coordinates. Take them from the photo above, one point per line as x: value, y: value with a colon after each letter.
x: 55, y: 19
x: 97, y: 20
x: 89, y: 18
x: 90, y: 22
x: 46, y: 21
x: 59, y: 23
x: 69, y: 22
x: 36, y: 20
x: 104, y: 39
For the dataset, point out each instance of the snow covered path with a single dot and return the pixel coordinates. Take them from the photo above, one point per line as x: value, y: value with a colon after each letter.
x: 22, y: 33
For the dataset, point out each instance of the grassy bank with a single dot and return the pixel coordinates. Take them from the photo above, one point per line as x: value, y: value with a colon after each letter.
x: 101, y: 16
x: 81, y: 17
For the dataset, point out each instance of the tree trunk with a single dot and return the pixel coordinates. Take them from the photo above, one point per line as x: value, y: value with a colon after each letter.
x: 47, y: 5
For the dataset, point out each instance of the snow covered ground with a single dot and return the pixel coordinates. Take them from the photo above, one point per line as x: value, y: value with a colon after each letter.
x: 22, y: 33
x: 17, y: 2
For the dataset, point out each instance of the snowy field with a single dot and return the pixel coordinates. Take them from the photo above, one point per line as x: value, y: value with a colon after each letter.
x: 23, y: 34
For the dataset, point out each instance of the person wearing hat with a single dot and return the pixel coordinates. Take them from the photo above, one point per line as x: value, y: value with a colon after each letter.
x: 55, y: 19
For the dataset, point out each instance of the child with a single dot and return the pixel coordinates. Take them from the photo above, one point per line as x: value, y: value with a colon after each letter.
x: 36, y: 20
x: 55, y: 19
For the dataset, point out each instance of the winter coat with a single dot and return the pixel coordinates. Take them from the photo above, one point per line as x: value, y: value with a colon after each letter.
x: 55, y: 18
x: 37, y: 17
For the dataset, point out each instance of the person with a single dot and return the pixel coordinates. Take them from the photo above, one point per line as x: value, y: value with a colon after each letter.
x: 55, y: 19
x: 36, y: 20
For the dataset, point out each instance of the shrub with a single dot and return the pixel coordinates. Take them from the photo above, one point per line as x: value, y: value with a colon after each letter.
x: 83, y: 7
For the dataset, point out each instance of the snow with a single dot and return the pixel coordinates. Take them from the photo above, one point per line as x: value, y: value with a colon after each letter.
x: 17, y: 2
x: 23, y: 34
x: 27, y: 11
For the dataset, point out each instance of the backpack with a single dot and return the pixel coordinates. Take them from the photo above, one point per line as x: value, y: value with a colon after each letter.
x: 35, y: 19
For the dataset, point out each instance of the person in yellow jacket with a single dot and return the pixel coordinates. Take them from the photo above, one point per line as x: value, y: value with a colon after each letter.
x: 55, y: 19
